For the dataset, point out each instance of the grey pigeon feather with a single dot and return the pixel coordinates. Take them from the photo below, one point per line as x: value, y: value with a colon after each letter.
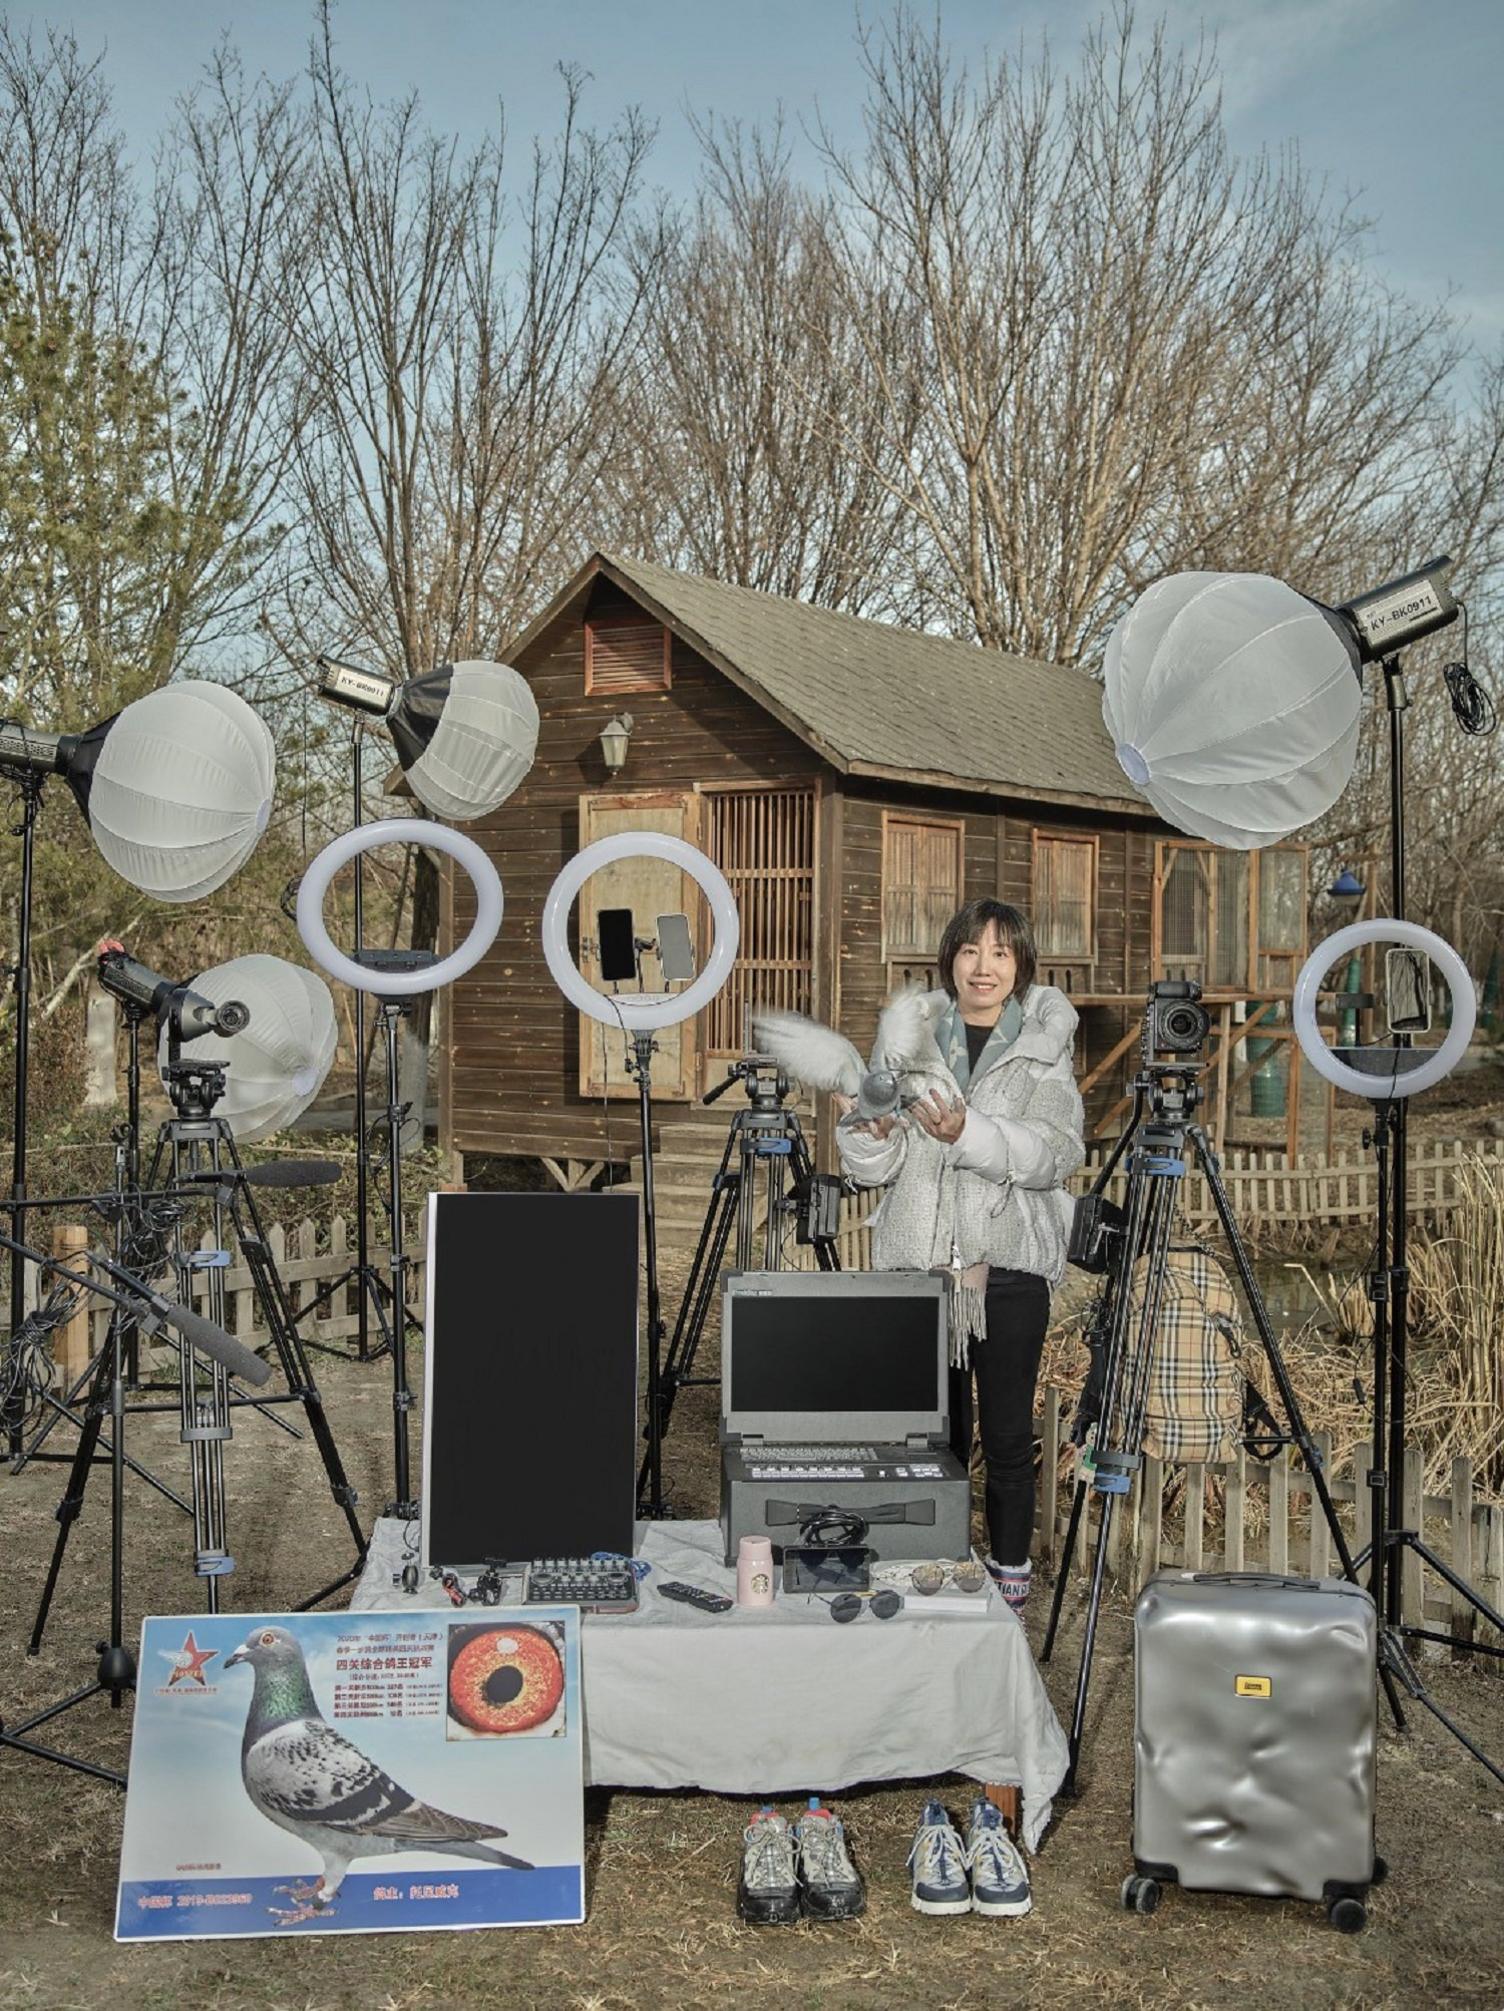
x: 310, y: 1780
x: 814, y: 1055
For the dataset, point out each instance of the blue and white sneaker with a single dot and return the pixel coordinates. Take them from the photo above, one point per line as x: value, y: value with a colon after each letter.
x: 938, y: 1863
x: 999, y: 1877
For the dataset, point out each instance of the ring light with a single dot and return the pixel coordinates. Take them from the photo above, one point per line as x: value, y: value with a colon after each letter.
x: 1437, y: 1065
x: 399, y: 831
x: 638, y: 1011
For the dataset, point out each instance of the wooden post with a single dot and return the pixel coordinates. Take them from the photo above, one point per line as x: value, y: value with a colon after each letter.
x: 1412, y: 1516
x: 1463, y: 1616
x: 1224, y: 1034
x: 1195, y: 1517
x: 1153, y: 1511
x: 70, y: 1341
x: 1049, y: 1491
x: 1235, y: 1508
x: 1279, y: 1512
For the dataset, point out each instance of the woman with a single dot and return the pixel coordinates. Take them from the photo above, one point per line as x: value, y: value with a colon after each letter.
x: 977, y: 1172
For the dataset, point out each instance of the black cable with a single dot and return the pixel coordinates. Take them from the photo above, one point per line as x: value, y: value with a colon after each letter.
x: 1473, y: 707
x: 834, y: 1528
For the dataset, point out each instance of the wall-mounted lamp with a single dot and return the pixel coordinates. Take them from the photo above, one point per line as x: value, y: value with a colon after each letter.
x: 614, y: 738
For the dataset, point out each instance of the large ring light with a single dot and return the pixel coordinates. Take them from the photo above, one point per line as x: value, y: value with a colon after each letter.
x: 1358, y: 1081
x: 638, y: 1011
x: 399, y: 831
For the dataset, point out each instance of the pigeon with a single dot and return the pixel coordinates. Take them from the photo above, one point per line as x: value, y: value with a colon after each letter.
x: 311, y: 1781
x: 820, y: 1058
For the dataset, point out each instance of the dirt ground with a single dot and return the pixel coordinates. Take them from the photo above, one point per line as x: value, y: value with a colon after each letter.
x: 662, y: 1928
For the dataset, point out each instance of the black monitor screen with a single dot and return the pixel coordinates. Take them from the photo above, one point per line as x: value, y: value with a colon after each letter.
x: 835, y: 1354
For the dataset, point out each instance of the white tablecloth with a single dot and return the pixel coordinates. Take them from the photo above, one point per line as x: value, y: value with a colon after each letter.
x: 780, y: 1700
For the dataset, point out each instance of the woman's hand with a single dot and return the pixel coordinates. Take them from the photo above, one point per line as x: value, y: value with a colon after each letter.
x: 879, y: 1127
x: 943, y: 1119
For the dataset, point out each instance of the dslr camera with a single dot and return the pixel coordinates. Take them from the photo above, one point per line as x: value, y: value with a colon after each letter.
x: 1175, y: 1021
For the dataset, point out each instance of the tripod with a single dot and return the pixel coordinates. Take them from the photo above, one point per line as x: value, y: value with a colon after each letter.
x: 765, y: 1138
x: 135, y: 1306
x: 196, y: 1148
x: 1160, y: 1130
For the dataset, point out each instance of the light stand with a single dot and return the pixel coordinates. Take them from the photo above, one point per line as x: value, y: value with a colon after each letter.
x: 650, y: 1505
x: 393, y: 1011
x: 1390, y: 1291
x: 29, y: 781
x: 370, y: 1288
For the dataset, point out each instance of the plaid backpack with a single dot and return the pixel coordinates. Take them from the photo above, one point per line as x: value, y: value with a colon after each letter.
x: 1195, y: 1403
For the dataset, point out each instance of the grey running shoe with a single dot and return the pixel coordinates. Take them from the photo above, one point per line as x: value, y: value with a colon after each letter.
x: 938, y: 1862
x: 831, y: 1884
x: 767, y: 1892
x: 999, y: 1877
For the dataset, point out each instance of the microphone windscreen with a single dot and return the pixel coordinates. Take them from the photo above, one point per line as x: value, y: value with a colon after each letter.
x: 293, y: 1173
x: 218, y: 1345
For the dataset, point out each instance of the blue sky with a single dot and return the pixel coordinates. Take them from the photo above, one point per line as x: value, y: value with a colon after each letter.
x: 1392, y: 100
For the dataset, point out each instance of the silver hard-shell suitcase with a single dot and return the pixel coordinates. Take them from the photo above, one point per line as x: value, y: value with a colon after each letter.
x: 1255, y: 1730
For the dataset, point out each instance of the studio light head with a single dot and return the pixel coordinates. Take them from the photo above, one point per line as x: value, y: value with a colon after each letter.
x: 189, y: 1013
x: 176, y: 788
x: 465, y: 733
x: 1391, y: 617
x: 1233, y: 699
x: 279, y: 1057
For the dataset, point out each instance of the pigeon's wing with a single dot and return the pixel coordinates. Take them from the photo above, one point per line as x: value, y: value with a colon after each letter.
x: 905, y: 1039
x: 814, y: 1055
x: 306, y: 1772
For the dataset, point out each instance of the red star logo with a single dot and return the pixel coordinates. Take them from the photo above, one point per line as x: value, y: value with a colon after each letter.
x: 190, y: 1666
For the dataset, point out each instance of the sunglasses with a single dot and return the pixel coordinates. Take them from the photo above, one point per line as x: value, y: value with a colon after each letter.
x: 846, y: 1606
x: 930, y: 1577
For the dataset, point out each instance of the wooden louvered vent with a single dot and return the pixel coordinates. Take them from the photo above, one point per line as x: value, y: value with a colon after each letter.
x: 763, y: 840
x: 626, y: 652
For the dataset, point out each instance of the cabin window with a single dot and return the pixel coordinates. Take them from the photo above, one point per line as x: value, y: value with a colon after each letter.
x: 921, y: 885
x: 1064, y: 898
x: 1233, y: 921
x: 626, y: 651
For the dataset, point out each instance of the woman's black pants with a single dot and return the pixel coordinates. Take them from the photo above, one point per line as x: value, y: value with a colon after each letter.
x: 1006, y: 1367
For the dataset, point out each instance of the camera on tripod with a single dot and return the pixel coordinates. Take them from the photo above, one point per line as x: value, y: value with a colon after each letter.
x: 1175, y: 1021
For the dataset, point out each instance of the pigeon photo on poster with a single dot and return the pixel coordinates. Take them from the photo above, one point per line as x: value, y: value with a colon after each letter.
x: 355, y: 1773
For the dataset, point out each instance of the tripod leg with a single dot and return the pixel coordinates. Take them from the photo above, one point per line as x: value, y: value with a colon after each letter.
x: 1289, y: 1402
x: 1062, y: 1575
x: 694, y: 1310
x: 288, y: 1342
x: 69, y: 1507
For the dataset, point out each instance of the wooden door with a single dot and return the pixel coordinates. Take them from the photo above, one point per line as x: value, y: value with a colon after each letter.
x: 649, y: 887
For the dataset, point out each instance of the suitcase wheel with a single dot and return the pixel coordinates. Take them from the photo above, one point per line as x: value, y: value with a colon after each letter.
x: 1141, y: 1895
x: 1348, y: 1915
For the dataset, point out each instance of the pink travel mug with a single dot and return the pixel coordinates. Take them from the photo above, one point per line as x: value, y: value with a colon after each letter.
x: 754, y: 1571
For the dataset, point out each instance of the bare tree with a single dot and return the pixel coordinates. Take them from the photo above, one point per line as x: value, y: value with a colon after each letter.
x: 1132, y: 353
x: 451, y: 335
x: 738, y: 460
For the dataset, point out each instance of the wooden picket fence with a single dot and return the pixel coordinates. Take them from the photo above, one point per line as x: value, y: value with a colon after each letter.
x: 1251, y: 1516
x: 1264, y: 1188
x: 308, y: 1254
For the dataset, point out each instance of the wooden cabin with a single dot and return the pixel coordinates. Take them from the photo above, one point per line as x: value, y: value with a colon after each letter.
x: 855, y: 782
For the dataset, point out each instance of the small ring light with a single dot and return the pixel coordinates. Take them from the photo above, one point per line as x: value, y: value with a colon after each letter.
x: 638, y: 1011
x: 1381, y: 1087
x: 399, y: 831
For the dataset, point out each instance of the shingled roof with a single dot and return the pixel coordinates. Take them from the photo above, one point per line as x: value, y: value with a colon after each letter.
x: 878, y: 700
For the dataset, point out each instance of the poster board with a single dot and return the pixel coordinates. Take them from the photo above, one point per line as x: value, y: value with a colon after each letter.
x: 401, y: 1771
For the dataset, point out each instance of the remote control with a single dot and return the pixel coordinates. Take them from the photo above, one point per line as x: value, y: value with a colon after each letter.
x: 696, y: 1595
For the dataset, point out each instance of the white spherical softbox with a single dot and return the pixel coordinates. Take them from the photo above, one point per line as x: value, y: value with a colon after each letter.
x: 277, y: 1065
x: 466, y: 734
x: 182, y: 789
x: 1232, y: 702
